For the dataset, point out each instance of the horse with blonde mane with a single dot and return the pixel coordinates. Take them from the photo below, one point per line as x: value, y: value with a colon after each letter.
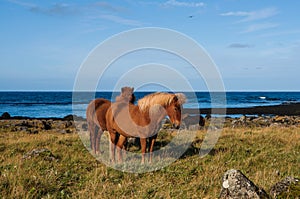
x: 142, y: 120
x: 95, y: 115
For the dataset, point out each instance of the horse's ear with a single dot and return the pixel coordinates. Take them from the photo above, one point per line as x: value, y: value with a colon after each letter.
x: 122, y: 89
x: 132, y: 89
x: 175, y: 99
x: 181, y: 98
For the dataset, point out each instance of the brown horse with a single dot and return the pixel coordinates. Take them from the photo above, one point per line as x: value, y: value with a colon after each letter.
x: 95, y: 115
x: 142, y: 120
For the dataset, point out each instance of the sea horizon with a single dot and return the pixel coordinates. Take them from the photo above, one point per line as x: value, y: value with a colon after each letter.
x: 61, y: 103
x: 226, y: 91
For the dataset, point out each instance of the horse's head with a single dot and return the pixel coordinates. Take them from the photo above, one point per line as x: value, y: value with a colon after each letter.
x: 126, y: 95
x: 174, y: 109
x: 171, y: 103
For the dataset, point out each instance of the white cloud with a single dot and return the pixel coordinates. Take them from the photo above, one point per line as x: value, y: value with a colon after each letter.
x: 253, y: 15
x: 109, y: 7
x: 260, y: 26
x: 239, y: 45
x: 23, y: 4
x: 183, y: 3
x: 238, y: 14
x: 121, y: 20
x: 54, y: 9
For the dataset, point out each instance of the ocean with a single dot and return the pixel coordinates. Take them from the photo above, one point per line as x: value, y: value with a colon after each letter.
x: 60, y: 104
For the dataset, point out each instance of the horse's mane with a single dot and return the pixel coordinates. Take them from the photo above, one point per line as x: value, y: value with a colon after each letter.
x: 164, y: 99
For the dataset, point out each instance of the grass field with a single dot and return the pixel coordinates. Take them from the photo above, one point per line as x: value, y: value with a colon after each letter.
x: 264, y: 155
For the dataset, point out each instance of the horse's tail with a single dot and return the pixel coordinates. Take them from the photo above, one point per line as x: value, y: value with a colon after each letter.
x: 99, y: 102
x: 92, y: 108
x: 93, y: 124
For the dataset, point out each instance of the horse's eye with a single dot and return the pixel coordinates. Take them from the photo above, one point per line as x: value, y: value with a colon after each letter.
x: 175, y: 108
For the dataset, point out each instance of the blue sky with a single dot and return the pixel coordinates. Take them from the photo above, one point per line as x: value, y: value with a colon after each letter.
x: 255, y: 44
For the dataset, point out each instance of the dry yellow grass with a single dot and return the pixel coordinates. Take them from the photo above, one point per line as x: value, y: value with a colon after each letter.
x: 265, y: 155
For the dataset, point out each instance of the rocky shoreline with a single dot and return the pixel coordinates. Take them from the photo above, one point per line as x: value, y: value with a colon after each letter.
x: 67, y: 124
x: 290, y: 109
x: 263, y: 116
x: 36, y: 125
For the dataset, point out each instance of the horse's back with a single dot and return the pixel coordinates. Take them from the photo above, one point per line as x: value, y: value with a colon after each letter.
x: 119, y: 118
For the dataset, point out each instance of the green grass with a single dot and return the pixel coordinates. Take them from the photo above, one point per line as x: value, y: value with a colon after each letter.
x: 264, y: 155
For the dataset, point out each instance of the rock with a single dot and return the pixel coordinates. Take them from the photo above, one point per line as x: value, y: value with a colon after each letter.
x: 5, y: 115
x: 243, y: 119
x: 236, y: 185
x: 84, y: 126
x: 69, y: 131
x: 286, y: 120
x: 265, y: 121
x: 69, y: 117
x: 47, y: 125
x: 32, y: 131
x: 280, y: 119
x: 59, y: 125
x: 61, y: 131
x: 234, y: 123
x: 65, y: 131
x: 69, y: 124
x: 275, y: 125
x: 288, y: 187
x: 189, y: 120
x: 73, y: 117
x: 261, y: 121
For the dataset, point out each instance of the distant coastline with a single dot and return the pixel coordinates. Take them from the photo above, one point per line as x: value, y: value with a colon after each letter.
x: 282, y: 109
x: 292, y: 109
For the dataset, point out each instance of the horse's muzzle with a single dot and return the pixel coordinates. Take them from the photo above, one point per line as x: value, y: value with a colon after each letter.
x: 176, y: 126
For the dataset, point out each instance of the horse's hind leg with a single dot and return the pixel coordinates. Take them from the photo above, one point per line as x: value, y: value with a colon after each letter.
x: 113, y: 140
x: 97, y: 140
x: 91, y: 128
x: 94, y: 140
x: 143, y: 142
x: 151, y: 141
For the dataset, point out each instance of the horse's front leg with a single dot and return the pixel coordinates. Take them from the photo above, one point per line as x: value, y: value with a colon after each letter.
x: 113, y: 138
x: 143, y: 142
x: 120, y: 145
x: 98, y: 138
x: 152, y: 142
